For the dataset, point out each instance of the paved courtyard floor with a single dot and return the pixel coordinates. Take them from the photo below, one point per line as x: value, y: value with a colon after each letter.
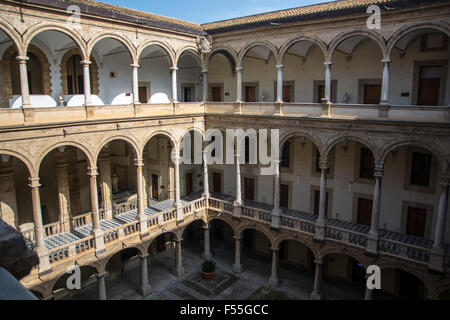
x: 296, y: 283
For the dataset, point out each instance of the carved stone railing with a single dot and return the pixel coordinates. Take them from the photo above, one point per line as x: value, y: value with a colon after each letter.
x: 404, y: 251
x: 346, y: 236
x: 257, y: 214
x: 220, y: 205
x: 82, y: 220
x: 125, y: 207
x: 70, y: 250
x: 298, y: 224
x: 53, y: 229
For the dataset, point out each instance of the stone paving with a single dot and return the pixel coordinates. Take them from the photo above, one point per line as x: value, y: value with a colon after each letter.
x: 296, y: 283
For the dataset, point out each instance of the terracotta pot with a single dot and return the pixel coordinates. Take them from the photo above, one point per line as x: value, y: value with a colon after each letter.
x: 208, y: 276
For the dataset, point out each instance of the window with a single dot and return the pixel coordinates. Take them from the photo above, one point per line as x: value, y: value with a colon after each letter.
x: 286, y: 155
x: 366, y: 164
x: 421, y: 169
x: 364, y: 211
x: 317, y: 168
x: 415, y: 224
x: 247, y: 149
x: 213, y: 152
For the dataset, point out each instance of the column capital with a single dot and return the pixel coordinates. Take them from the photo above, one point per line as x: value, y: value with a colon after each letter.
x: 85, y: 62
x: 101, y: 275
x: 386, y: 60
x: 324, y: 164
x: 92, y: 172
x: 328, y: 63
x: 22, y: 59
x: 173, y: 68
x: 379, y: 169
x: 139, y: 162
x: 34, y: 183
x: 444, y: 184
x: 237, y: 237
x: 276, y: 249
x: 279, y: 66
x: 135, y: 65
x: 204, y: 70
x: 145, y: 256
x: 238, y: 69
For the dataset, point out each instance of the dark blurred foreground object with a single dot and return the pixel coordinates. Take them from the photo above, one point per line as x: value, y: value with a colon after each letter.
x: 16, y: 261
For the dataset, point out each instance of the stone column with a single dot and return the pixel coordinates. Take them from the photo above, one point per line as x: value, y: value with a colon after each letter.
x: 385, y: 84
x: 274, y: 281
x: 276, y: 213
x: 96, y: 230
x: 316, y: 294
x: 140, y: 197
x: 62, y: 177
x: 174, y: 85
x: 207, y: 243
x: 205, y: 176
x: 24, y: 81
x: 328, y: 65
x: 179, y: 270
x: 238, y: 202
x: 205, y: 84
x: 321, y: 220
x: 145, y: 289
x: 87, y: 83
x: 279, y: 83
x: 41, y: 249
x: 135, y: 83
x: 438, y: 251
x: 177, y: 204
x: 373, y: 236
x: 239, y: 84
x: 8, y: 200
x: 101, y: 287
x: 106, y: 184
x: 237, y: 267
x: 368, y: 295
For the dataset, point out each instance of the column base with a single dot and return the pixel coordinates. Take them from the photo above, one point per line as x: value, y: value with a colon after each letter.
x: 145, y: 290
x: 372, y: 245
x: 99, y: 241
x: 276, y: 219
x: 278, y: 108
x: 316, y: 296
x: 207, y: 256
x: 237, y: 210
x: 319, y: 236
x: 238, y: 268
x: 44, y: 263
x: 179, y: 271
x: 274, y: 282
x: 436, y: 261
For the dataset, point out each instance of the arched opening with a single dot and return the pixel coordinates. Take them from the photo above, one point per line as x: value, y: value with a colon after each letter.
x: 414, y: 170
x: 15, y: 196
x: 222, y: 242
x: 117, y: 180
x: 159, y: 171
x: 65, y: 192
x: 154, y: 75
x: 303, y: 61
x: 5, y: 77
x: 88, y: 280
x: 424, y: 52
x: 191, y: 167
x: 124, y: 265
x: 189, y: 77
x: 344, y: 277
x: 256, y: 251
x: 115, y: 72
x: 259, y: 75
x: 221, y: 84
x: 400, y: 284
x: 193, y: 238
x: 360, y: 57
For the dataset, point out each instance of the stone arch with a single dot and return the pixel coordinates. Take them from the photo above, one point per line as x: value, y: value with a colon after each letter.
x: 315, y: 40
x: 230, y: 54
x: 286, y: 136
x: 129, y: 139
x: 188, y: 49
x: 439, y: 289
x: 375, y: 36
x: 349, y: 137
x: 6, y: 67
x: 52, y: 283
x: 79, y: 145
x: 169, y: 50
x: 256, y: 227
x: 249, y: 46
x: 25, y: 158
x: 308, y: 243
x: 107, y: 259
x: 428, y: 145
x: 358, y: 256
x: 198, y: 130
x: 183, y: 228
x: 165, y: 133
x: 156, y: 236
x: 123, y: 40
x: 41, y: 27
x: 225, y: 220
x: 413, y: 27
x: 12, y: 34
x: 93, y: 70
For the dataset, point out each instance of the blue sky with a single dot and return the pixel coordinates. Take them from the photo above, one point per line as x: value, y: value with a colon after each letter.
x: 203, y: 11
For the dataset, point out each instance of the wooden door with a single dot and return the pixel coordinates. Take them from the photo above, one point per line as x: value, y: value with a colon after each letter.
x: 365, y: 211
x: 249, y: 187
x: 287, y: 93
x: 415, y: 224
x: 250, y: 94
x: 155, y: 187
x: 372, y: 94
x: 429, y: 92
x: 216, y: 94
x: 284, y: 196
x: 143, y: 95
x: 217, y: 182
x: 188, y: 94
x: 189, y: 183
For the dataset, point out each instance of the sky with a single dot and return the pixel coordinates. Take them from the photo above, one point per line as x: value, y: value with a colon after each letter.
x: 203, y: 11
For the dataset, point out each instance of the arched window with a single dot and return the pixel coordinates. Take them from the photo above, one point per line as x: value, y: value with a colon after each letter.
x: 75, y: 82
x: 35, y: 74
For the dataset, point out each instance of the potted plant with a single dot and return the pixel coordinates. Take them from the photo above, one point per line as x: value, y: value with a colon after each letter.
x: 208, y: 270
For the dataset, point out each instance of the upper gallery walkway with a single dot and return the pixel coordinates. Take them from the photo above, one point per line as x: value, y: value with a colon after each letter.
x: 17, y: 118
